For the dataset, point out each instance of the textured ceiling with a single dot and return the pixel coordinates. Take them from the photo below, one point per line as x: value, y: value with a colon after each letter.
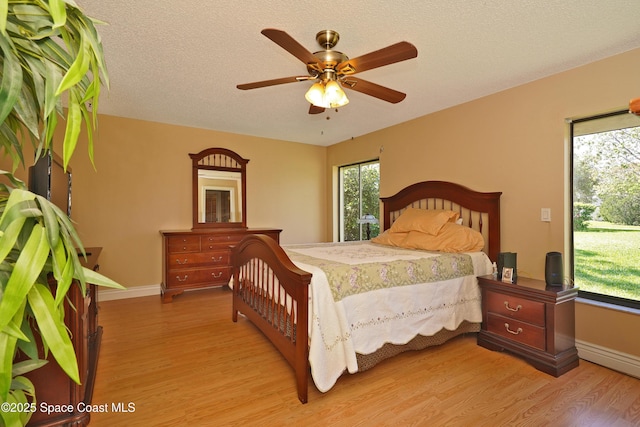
x: 179, y: 62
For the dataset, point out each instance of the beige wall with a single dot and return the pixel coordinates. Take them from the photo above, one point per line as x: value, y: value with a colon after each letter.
x: 515, y: 142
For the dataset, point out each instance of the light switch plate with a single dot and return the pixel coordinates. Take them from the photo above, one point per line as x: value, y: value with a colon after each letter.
x: 545, y: 214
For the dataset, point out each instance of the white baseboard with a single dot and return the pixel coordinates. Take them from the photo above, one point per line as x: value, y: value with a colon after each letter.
x: 133, y: 292
x: 612, y: 359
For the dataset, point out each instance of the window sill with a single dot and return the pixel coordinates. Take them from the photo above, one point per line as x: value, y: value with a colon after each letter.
x: 609, y: 306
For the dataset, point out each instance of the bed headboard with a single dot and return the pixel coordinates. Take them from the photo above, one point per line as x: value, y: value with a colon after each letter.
x: 480, y: 211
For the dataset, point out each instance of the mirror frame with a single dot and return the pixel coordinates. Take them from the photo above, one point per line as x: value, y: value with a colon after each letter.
x: 218, y: 159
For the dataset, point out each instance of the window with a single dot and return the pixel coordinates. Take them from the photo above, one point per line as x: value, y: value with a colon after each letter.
x: 606, y: 208
x: 359, y: 196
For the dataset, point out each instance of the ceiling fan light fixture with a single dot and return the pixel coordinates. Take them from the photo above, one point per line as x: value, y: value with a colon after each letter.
x: 327, y: 95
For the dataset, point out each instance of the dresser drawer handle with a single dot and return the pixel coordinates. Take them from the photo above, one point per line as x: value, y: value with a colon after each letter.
x: 219, y: 259
x: 506, y: 304
x: 217, y: 276
x: 182, y: 262
x: 517, y: 332
x: 184, y: 279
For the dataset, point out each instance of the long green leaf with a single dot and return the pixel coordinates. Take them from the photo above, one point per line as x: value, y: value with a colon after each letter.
x: 7, y: 352
x: 4, y: 9
x: 74, y: 124
x: 10, y: 142
x: 9, y: 418
x: 26, y: 109
x: 63, y: 271
x: 25, y: 272
x: 29, y: 347
x: 11, y: 79
x: 15, y: 331
x: 98, y: 279
x: 12, y: 220
x: 10, y: 235
x: 53, y: 330
x: 50, y: 220
x: 78, y: 69
x: 58, y: 12
x: 7, y: 347
x: 21, y: 368
x: 52, y: 79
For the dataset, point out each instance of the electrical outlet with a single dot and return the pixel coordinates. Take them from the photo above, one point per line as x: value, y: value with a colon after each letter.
x: 545, y: 214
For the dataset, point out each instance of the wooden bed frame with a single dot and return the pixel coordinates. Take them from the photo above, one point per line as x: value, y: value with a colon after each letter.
x: 274, y: 293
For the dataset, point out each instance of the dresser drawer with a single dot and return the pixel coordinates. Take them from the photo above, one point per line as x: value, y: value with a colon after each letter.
x: 201, y: 259
x: 218, y: 239
x: 186, y: 278
x: 516, y: 308
x: 177, y: 244
x: 515, y: 330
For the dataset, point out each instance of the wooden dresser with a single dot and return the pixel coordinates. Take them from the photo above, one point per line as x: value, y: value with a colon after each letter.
x: 194, y: 259
x: 532, y: 320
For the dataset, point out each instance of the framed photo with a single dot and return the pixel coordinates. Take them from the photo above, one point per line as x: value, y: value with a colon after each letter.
x: 507, y: 275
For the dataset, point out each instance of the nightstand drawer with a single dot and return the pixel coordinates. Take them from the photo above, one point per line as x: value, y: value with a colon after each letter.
x: 516, y: 308
x: 515, y: 330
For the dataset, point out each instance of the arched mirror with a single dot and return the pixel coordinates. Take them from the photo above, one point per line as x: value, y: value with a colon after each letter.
x: 219, y: 189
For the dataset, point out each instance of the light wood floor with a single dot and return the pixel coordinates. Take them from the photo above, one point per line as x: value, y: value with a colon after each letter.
x: 187, y: 364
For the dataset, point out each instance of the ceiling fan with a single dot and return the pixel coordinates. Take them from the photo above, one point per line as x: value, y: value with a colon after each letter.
x: 333, y: 70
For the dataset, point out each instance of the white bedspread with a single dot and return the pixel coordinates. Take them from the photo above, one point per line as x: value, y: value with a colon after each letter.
x: 364, y: 322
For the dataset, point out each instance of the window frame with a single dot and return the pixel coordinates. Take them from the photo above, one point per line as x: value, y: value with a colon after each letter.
x: 592, y: 296
x: 341, y: 201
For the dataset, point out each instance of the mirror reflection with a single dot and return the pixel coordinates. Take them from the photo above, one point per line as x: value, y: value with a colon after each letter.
x: 219, y: 189
x: 219, y: 196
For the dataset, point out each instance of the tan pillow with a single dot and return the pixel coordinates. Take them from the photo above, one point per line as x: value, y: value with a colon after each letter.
x: 423, y: 220
x: 390, y: 239
x: 452, y: 238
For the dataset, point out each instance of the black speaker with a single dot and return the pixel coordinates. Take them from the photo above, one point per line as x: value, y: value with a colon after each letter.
x: 553, y: 269
x: 507, y: 260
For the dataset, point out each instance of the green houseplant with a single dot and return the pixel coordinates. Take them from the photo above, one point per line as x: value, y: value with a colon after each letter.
x: 48, y: 49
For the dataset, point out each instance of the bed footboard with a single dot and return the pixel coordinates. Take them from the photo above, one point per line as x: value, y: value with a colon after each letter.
x: 273, y: 294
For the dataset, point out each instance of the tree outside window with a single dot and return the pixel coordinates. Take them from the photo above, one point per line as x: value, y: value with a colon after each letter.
x: 359, y: 196
x: 606, y: 208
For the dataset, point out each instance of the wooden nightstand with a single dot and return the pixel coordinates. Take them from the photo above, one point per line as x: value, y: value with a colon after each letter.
x: 532, y: 320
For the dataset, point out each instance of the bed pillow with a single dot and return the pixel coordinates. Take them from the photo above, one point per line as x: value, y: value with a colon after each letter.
x: 390, y: 238
x: 428, y: 221
x: 452, y: 238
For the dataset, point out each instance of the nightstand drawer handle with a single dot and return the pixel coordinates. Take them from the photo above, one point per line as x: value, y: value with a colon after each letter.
x: 518, y: 332
x: 184, y: 279
x: 506, y: 304
x: 217, y: 276
x: 182, y: 262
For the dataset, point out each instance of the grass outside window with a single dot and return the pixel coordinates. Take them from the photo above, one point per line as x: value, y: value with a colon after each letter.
x: 607, y: 260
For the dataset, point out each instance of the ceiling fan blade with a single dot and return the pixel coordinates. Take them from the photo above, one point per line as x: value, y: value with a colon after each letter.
x: 273, y: 82
x: 315, y: 109
x: 289, y: 44
x: 389, y: 55
x: 373, y: 89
